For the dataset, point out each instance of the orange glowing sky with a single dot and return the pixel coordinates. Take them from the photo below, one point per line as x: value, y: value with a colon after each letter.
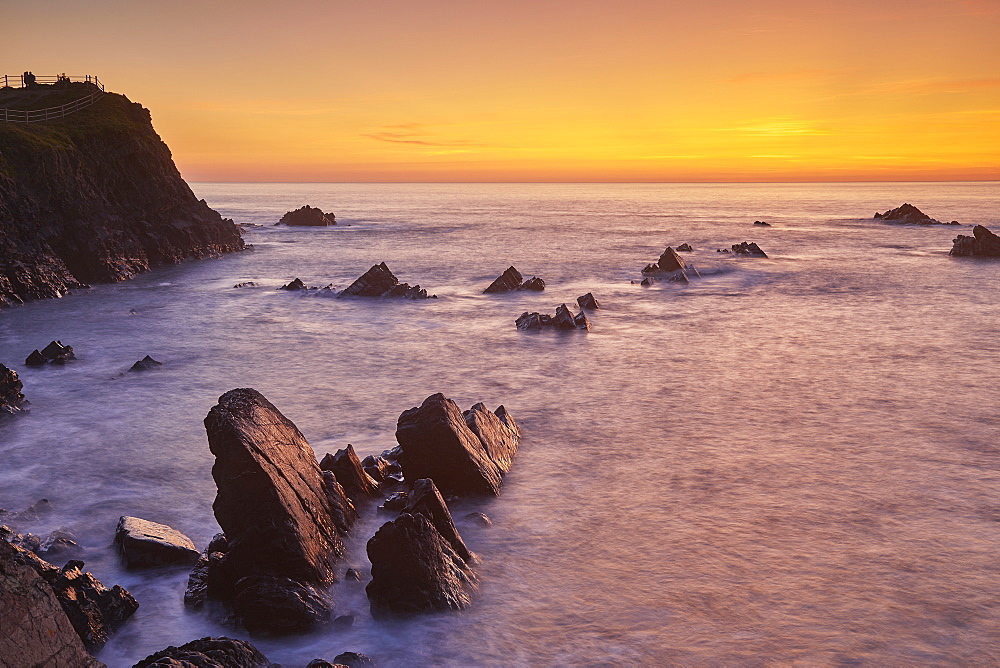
x: 515, y: 90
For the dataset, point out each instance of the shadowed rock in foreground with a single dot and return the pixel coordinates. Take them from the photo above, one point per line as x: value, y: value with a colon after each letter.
x: 11, y: 398
x: 910, y: 215
x: 308, y: 216
x: 380, y: 282
x: 982, y: 243
x: 438, y: 443
x: 208, y: 653
x: 143, y: 544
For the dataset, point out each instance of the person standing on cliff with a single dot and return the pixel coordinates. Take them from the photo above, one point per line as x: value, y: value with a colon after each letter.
x: 31, y: 79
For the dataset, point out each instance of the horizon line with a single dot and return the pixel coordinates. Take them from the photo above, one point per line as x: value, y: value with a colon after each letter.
x: 617, y: 182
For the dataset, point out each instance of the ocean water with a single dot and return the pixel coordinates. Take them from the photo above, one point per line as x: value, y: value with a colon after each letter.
x: 793, y: 460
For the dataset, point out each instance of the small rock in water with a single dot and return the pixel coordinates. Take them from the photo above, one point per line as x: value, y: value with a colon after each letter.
x: 308, y: 216
x: 218, y: 652
x: 909, y: 214
x: 669, y: 266
x: 143, y: 544
x: 54, y: 353
x: 534, y: 283
x: 588, y: 302
x: 246, y: 284
x: 379, y: 281
x: 563, y: 319
x: 761, y: 223
x: 482, y: 519
x: 296, y: 284
x: 748, y: 248
x: 145, y: 364
x: 685, y: 248
x: 509, y: 280
x: 982, y: 243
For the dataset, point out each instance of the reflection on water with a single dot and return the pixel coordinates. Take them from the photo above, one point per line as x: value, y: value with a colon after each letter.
x: 793, y: 459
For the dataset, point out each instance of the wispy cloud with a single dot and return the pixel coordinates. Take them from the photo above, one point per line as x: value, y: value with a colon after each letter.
x: 775, y: 128
x: 415, y: 134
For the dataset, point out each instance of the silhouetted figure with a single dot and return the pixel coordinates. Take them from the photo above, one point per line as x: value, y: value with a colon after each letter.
x: 30, y: 79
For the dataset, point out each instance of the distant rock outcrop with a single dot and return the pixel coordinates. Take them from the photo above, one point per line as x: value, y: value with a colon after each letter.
x: 670, y: 267
x: 563, y: 319
x: 95, y: 197
x: 587, y: 302
x: 982, y: 243
x: 748, y: 248
x: 308, y: 216
x: 218, y: 652
x: 54, y: 353
x: 910, y: 215
x: 147, y: 363
x: 380, y: 282
x: 511, y: 279
x: 11, y: 398
x: 438, y: 443
x: 761, y: 223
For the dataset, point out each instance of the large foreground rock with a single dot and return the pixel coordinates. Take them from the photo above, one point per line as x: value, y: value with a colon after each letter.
x: 208, y: 653
x: 438, y: 443
x: 143, y: 544
x: 982, y: 243
x: 273, y: 504
x: 426, y: 500
x: 308, y: 216
x: 379, y: 281
x: 34, y: 629
x: 414, y: 569
x: 11, y: 398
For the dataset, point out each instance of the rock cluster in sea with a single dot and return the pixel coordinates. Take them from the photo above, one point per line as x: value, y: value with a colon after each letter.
x: 54, y: 353
x: 982, y: 243
x: 669, y: 267
x: 380, y: 282
x: 563, y: 319
x: 308, y: 216
x: 511, y: 280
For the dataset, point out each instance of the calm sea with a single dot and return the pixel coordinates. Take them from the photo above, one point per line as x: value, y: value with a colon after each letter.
x: 790, y: 460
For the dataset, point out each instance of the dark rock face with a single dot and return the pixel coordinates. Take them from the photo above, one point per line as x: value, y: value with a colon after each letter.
x: 909, y: 214
x: 94, y: 610
x: 208, y: 653
x: 588, y: 302
x: 296, y: 284
x: 426, y: 500
x: 438, y: 443
x: 273, y: 504
x: 143, y: 544
x: 761, y: 223
x: 380, y: 282
x: 279, y: 605
x: 507, y: 281
x: 355, y: 660
x: 534, y: 284
x: 414, y: 569
x: 685, y: 248
x: 563, y: 319
x: 93, y: 198
x: 36, y: 630
x: 246, y: 284
x: 670, y: 266
x: 498, y: 433
x: 147, y: 363
x: 54, y: 353
x: 748, y: 248
x: 11, y: 398
x: 308, y: 216
x: 346, y: 467
x: 378, y: 468
x: 342, y: 510
x: 982, y: 243
x: 670, y: 260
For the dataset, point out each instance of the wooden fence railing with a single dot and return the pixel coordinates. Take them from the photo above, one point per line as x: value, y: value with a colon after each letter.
x: 35, y: 115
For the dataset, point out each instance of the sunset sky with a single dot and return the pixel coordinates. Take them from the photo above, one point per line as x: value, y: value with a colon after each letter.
x: 582, y: 90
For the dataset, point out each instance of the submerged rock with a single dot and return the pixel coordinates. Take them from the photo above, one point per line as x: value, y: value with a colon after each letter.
x: 346, y: 467
x: 218, y: 652
x: 246, y: 284
x: 909, y: 214
x: 145, y: 364
x: 982, y: 243
x: 748, y: 248
x: 11, y: 398
x: 308, y: 216
x: 414, y: 569
x: 143, y: 544
x: 267, y: 604
x: 438, y: 443
x: 380, y: 282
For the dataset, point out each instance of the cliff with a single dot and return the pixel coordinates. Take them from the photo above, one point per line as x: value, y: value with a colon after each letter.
x: 95, y: 197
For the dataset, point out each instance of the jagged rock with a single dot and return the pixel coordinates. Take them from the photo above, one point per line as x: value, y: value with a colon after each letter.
x: 588, y: 302
x: 414, y: 569
x: 581, y: 321
x: 982, y: 243
x: 218, y: 652
x: 346, y: 467
x: 669, y: 266
x: 341, y: 508
x: 380, y: 282
x: 685, y: 248
x: 268, y: 604
x: 670, y: 260
x: 203, y: 575
x: 94, y: 610
x: 35, y: 629
x: 909, y: 214
x: 36, y: 358
x: 761, y: 223
x: 54, y: 353
x: 534, y: 284
x: 145, y: 364
x: 296, y: 284
x: 143, y: 544
x: 426, y: 500
x: 11, y: 398
x: 748, y: 248
x: 377, y: 467
x: 309, y: 217
x: 563, y: 318
x: 273, y: 504
x: 505, y: 282
x: 355, y: 660
x: 498, y: 432
x: 246, y: 284
x: 529, y: 321
x: 396, y: 501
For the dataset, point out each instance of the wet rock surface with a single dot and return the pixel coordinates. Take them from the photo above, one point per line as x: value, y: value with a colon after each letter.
x: 54, y: 353
x: 563, y: 319
x: 910, y: 215
x: 748, y: 248
x: 308, y: 216
x: 511, y: 280
x: 144, y: 544
x: 346, y: 467
x: 218, y: 652
x: 355, y: 660
x: 669, y: 267
x: 414, y: 569
x: 268, y: 604
x: 426, y: 500
x: 147, y: 363
x: 588, y: 302
x: 982, y: 243
x: 11, y: 398
x: 379, y: 281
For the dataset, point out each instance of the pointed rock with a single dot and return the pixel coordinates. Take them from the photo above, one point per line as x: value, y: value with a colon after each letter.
x: 145, y: 364
x: 581, y: 320
x: 346, y: 466
x: 426, y: 500
x: 505, y: 282
x: 341, y: 508
x: 671, y: 261
x: 36, y: 358
x: 498, y: 438
x: 11, y: 398
x: 534, y: 284
x: 982, y: 243
x: 309, y: 217
x: 529, y: 321
x: 57, y: 353
x: 588, y: 302
x: 685, y: 248
x: 296, y: 284
x: 563, y: 318
x: 373, y: 283
x: 748, y: 248
x: 218, y: 652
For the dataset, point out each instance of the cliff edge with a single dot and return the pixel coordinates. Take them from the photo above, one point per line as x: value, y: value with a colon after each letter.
x: 95, y: 197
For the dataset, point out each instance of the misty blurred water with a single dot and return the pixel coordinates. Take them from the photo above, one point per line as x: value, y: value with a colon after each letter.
x: 794, y: 459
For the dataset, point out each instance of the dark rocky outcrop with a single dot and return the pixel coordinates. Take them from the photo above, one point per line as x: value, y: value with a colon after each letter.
x: 267, y: 604
x: 497, y: 431
x: 295, y: 284
x: 380, y: 282
x: 354, y: 660
x: 438, y: 443
x: 588, y: 302
x: 379, y: 468
x: 982, y: 243
x: 58, y: 544
x: 341, y: 507
x: 308, y: 216
x: 54, y: 353
x: 511, y: 279
x: 414, y: 569
x: 346, y: 467
x: 95, y: 197
x: 274, y: 505
x: 143, y: 544
x: 563, y: 319
x: 208, y: 653
x: 147, y: 363
x: 94, y: 610
x: 748, y: 248
x: 11, y: 398
x: 910, y: 215
x: 395, y: 501
x: 34, y: 629
x: 246, y: 284
x: 533, y: 284
x: 426, y: 500
x: 761, y: 223
x: 671, y: 267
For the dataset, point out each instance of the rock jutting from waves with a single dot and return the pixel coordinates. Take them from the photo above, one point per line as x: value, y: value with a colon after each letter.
x: 669, y: 267
x: 438, y: 443
x: 748, y: 248
x: 54, y: 353
x: 147, y: 363
x: 95, y: 197
x: 277, y: 510
x: 425, y: 499
x: 588, y: 302
x: 58, y: 544
x: 761, y: 223
x: 11, y: 398
x: 982, y: 243
x: 380, y: 282
x: 909, y: 215
x: 218, y: 652
x: 685, y: 248
x: 144, y: 544
x: 307, y: 216
x: 346, y: 467
x: 563, y: 319
x: 511, y: 280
